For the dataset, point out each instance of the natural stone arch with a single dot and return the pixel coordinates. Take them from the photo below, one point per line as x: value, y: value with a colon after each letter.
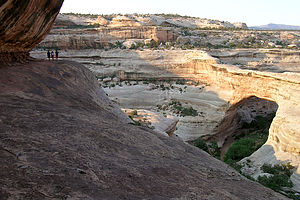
x: 283, y: 144
x: 239, y: 114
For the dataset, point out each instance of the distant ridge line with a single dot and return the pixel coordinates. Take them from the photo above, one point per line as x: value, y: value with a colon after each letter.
x: 272, y: 26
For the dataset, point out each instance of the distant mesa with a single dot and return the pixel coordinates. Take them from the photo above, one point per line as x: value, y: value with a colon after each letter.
x: 275, y: 27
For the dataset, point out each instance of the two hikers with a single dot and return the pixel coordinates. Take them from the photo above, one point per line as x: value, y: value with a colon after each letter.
x: 51, y: 55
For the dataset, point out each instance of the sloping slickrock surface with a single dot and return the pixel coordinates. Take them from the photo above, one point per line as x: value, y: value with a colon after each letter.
x: 61, y: 138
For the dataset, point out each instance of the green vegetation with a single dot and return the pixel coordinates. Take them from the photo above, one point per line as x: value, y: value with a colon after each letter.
x: 82, y: 15
x: 133, y: 114
x: 211, y: 148
x: 173, y: 16
x: 279, y: 177
x: 244, y: 147
x: 189, y: 112
x: 246, y: 144
x: 153, y: 44
x: 137, y: 123
x: 136, y: 46
x: 112, y: 85
x: 201, y: 144
x: 182, y: 111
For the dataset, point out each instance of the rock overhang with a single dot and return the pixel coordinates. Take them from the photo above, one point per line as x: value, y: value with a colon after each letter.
x: 25, y: 23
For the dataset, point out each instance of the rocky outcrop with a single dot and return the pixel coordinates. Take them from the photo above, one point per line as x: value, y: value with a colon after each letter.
x: 61, y: 137
x: 24, y: 24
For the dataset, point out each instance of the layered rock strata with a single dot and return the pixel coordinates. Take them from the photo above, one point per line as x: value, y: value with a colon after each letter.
x: 62, y: 138
x: 97, y: 38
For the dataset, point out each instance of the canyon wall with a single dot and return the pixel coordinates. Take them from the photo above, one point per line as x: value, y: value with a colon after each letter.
x: 98, y: 38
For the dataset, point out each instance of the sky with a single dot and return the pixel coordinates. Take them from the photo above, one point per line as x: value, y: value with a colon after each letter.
x: 252, y: 12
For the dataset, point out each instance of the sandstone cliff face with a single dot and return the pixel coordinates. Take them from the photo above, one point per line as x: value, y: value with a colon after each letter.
x: 103, y: 37
x: 25, y: 23
x: 96, y: 32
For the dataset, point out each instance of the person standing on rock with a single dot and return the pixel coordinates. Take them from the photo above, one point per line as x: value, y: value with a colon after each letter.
x: 56, y: 54
x: 48, y: 55
x: 52, y: 55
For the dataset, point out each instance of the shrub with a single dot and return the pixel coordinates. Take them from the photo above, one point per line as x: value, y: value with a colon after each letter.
x: 137, y: 123
x: 214, y: 150
x: 280, y: 176
x: 275, y: 182
x: 278, y: 169
x: 240, y: 149
x: 133, y: 46
x: 201, y: 144
x: 119, y: 44
x: 189, y: 112
x: 132, y: 113
x: 152, y: 80
x: 153, y: 44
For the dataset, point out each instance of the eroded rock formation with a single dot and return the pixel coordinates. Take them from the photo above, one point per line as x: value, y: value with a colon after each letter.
x: 237, y: 85
x: 61, y: 137
x: 24, y: 24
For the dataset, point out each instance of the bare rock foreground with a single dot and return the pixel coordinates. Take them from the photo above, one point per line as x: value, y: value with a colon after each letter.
x: 61, y: 138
